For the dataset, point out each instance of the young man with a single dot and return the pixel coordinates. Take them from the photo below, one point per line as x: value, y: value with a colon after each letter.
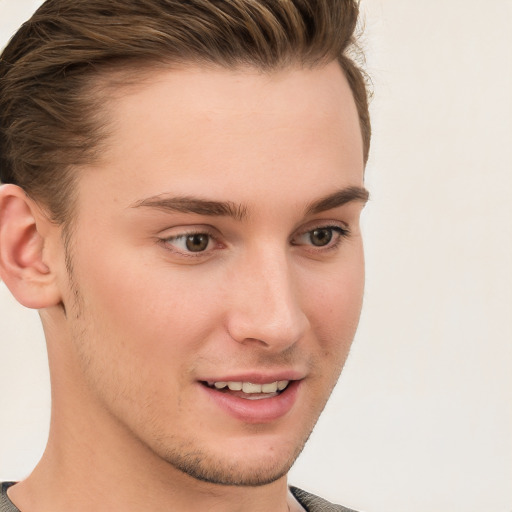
x: 182, y: 189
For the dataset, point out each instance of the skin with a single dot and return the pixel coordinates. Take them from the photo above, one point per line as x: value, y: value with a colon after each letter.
x: 135, y: 321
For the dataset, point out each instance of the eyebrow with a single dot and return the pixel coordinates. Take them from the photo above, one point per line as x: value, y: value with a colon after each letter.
x: 337, y: 199
x: 189, y: 204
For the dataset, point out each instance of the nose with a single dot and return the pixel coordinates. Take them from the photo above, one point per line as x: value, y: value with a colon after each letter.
x: 265, y: 305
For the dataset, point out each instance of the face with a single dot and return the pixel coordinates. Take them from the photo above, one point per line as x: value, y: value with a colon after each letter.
x: 217, y: 266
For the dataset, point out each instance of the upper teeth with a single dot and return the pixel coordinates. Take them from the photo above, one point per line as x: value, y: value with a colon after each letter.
x: 249, y: 387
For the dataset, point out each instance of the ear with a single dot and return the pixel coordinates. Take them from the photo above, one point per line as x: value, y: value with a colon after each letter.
x: 22, y: 265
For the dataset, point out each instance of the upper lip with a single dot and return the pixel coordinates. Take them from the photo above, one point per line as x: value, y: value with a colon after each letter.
x: 256, y: 377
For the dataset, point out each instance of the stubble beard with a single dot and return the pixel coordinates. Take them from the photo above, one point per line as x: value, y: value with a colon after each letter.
x: 205, y: 467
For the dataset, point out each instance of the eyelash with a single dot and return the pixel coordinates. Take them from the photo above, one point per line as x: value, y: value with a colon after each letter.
x: 338, y: 234
x: 184, y: 236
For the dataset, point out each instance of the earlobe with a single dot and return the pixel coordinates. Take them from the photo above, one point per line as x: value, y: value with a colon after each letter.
x: 22, y: 265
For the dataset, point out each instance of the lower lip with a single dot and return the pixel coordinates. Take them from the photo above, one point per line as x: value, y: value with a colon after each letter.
x: 264, y: 410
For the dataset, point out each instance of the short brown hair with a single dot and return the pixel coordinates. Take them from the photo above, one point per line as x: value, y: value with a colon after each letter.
x: 50, y: 117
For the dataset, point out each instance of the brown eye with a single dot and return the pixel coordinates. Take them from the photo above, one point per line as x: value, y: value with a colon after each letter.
x: 197, y: 242
x: 320, y: 237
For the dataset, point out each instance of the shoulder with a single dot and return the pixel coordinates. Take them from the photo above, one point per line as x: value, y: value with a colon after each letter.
x: 6, y: 504
x: 314, y: 503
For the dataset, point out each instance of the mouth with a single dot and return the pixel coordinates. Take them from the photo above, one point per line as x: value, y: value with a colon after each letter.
x: 262, y: 402
x: 249, y: 390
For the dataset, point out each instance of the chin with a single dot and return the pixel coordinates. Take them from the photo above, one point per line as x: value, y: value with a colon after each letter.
x: 244, y: 468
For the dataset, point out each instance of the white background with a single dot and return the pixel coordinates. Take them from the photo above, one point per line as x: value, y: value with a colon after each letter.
x: 422, y: 418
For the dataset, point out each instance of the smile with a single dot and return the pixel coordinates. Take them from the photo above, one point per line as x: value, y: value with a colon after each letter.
x: 250, y: 390
x: 250, y: 402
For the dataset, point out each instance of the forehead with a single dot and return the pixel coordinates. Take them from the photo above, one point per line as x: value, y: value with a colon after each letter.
x: 182, y: 128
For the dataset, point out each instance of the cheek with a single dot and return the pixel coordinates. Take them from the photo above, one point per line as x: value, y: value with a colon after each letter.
x: 335, y: 305
x: 151, y: 312
x: 139, y: 333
